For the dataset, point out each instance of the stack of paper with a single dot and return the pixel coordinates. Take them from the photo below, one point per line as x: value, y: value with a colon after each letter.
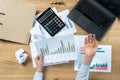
x: 57, y: 54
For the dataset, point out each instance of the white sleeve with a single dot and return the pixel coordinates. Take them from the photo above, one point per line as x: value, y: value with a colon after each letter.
x: 83, y: 73
x: 38, y: 76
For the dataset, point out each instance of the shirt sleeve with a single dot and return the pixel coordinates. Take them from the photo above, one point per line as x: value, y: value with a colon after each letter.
x: 38, y: 76
x: 83, y: 73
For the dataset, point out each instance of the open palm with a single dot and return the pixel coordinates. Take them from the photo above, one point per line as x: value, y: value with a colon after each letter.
x: 90, y: 49
x: 90, y: 46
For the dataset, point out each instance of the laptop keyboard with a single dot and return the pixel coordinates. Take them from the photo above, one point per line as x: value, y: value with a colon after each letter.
x: 94, y: 14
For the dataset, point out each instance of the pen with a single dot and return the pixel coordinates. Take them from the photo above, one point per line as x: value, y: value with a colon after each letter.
x: 57, y: 2
x: 2, y: 13
x: 1, y: 23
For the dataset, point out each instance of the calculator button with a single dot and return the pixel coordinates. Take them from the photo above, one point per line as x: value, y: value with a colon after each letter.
x: 49, y: 22
x: 61, y: 24
x: 50, y: 31
x: 55, y: 16
x: 44, y: 25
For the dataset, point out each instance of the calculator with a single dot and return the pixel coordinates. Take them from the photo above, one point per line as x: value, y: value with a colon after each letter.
x: 50, y: 22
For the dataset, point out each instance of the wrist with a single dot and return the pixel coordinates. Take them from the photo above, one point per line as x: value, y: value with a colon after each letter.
x: 39, y: 70
x: 87, y: 60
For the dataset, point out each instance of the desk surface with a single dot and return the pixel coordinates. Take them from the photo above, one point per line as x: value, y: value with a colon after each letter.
x: 11, y: 70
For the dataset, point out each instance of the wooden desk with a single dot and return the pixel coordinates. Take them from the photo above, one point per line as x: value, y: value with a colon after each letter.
x: 11, y: 70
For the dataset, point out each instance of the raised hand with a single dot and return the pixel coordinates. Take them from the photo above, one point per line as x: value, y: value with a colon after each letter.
x: 90, y: 48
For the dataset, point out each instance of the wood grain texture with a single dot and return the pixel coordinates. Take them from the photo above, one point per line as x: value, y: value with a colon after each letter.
x: 11, y: 70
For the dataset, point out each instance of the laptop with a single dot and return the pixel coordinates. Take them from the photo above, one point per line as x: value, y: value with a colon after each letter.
x: 94, y: 16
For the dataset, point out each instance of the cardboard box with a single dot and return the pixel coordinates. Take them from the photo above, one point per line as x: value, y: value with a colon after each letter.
x: 16, y: 19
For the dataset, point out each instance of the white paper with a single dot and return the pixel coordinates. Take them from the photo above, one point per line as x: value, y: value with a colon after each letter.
x: 69, y: 25
x: 101, y: 61
x: 57, y: 49
x: 34, y: 54
x: 21, y: 56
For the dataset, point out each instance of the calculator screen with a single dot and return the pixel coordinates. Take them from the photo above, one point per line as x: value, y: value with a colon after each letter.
x: 46, y: 15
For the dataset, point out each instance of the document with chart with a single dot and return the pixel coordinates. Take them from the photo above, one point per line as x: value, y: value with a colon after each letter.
x: 101, y: 61
x: 34, y: 54
x: 56, y: 49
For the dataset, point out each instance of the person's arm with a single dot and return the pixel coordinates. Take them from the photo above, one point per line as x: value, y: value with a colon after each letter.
x: 38, y: 74
x: 83, y: 72
x: 90, y: 50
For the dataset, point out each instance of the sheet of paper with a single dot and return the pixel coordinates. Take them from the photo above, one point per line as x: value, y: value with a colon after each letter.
x: 101, y: 61
x: 69, y: 25
x: 34, y: 54
x: 57, y: 49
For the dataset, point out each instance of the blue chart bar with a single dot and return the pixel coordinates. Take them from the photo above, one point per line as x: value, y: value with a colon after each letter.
x: 62, y: 49
x: 70, y: 23
x: 100, y: 50
x: 66, y: 25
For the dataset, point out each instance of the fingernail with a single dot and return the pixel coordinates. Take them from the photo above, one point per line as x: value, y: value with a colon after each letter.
x: 92, y: 35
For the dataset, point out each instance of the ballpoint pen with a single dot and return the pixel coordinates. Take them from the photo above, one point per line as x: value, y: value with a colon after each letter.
x: 1, y: 23
x: 57, y: 2
x: 2, y: 13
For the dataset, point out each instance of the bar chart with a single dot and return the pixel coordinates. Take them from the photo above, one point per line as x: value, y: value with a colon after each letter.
x: 60, y: 50
x: 99, y: 66
x: 57, y: 49
x: 69, y: 25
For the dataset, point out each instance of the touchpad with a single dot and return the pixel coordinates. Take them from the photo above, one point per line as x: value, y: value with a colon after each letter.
x: 83, y: 21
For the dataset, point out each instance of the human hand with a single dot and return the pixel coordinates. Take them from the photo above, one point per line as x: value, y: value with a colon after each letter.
x: 90, y: 48
x: 39, y: 61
